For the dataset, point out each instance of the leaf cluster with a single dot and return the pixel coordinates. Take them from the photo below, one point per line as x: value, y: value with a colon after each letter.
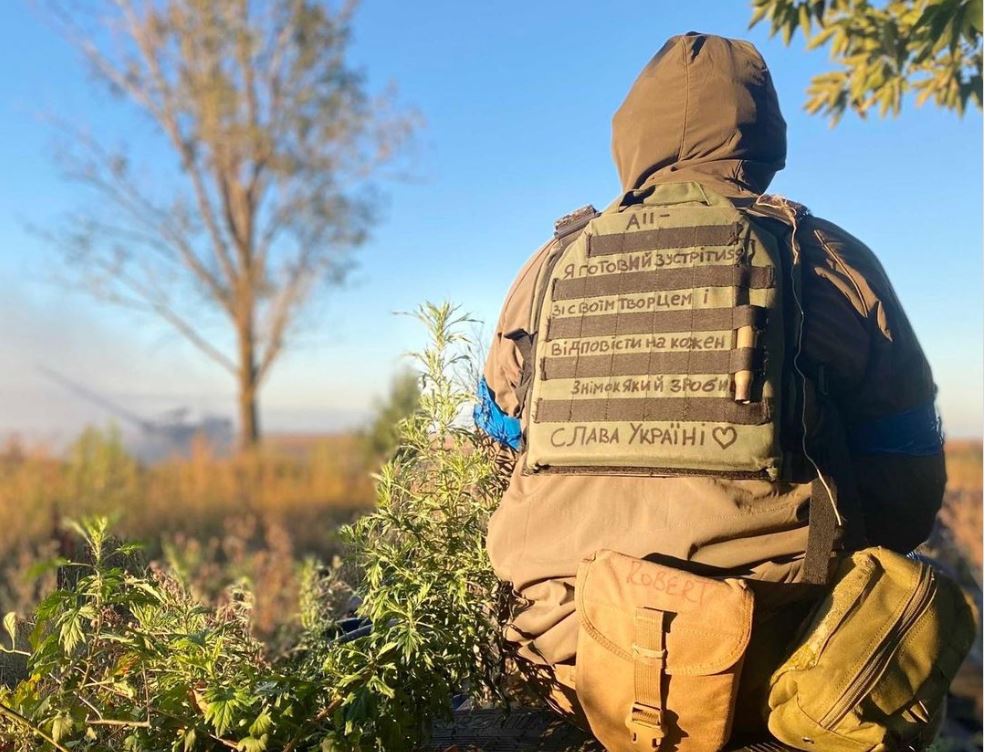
x: 428, y: 585
x: 124, y: 660
x: 382, y: 437
x: 884, y: 51
x: 124, y: 657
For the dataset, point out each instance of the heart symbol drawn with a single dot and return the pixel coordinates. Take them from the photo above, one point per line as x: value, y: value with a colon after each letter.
x: 725, y: 437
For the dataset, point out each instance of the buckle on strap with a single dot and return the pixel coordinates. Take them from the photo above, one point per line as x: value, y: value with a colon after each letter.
x: 646, y: 715
x: 646, y: 724
x: 575, y: 221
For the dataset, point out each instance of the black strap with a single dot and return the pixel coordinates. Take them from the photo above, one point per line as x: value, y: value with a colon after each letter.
x: 829, y: 446
x: 524, y: 342
x: 708, y: 409
x: 755, y: 278
x: 824, y: 533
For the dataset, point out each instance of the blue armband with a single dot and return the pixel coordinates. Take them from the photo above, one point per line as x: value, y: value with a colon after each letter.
x: 490, y: 419
x: 915, y: 432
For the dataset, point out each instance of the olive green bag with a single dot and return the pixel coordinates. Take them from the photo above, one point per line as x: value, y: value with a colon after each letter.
x: 872, y: 668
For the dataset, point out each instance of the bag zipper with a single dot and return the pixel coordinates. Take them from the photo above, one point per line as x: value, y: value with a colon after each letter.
x: 869, y: 676
x: 832, y: 622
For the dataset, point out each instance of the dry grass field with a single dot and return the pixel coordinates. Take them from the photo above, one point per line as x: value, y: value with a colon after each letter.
x: 962, y: 512
x: 223, y: 520
x: 213, y: 514
x: 300, y: 481
x: 957, y: 541
x: 219, y: 520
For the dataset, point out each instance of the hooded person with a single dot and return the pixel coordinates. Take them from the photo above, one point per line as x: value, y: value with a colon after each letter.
x: 702, y: 119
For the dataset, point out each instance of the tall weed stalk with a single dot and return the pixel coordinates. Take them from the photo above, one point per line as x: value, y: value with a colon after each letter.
x: 428, y: 584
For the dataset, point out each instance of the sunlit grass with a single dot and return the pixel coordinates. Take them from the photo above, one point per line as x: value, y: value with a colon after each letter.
x: 304, y: 486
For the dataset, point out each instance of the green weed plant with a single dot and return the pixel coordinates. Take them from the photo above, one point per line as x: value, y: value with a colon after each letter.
x: 124, y: 656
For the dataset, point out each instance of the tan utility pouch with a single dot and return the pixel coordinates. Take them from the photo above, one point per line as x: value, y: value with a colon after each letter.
x: 659, y: 654
x: 872, y: 669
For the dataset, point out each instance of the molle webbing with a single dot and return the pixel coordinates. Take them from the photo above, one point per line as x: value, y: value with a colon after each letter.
x: 664, y: 238
x: 660, y: 348
x: 756, y: 278
x: 597, y: 366
x: 710, y: 409
x: 694, y: 320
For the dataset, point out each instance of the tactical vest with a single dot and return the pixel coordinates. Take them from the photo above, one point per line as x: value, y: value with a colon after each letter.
x: 665, y: 340
x: 661, y: 343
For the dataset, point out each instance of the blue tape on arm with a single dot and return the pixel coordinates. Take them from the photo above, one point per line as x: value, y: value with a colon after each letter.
x: 915, y: 432
x: 490, y: 419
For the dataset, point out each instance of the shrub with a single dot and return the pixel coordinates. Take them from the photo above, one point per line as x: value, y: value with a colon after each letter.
x: 124, y: 657
x: 426, y: 574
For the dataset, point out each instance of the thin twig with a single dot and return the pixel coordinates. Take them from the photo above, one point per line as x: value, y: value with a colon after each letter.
x: 18, y: 718
x: 115, y: 722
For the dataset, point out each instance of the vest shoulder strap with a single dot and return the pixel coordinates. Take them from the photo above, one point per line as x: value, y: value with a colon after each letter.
x: 574, y: 221
x: 566, y: 230
x: 777, y: 207
x: 829, y: 526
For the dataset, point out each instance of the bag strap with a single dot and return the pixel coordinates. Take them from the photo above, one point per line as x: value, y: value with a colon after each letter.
x: 646, y: 717
x: 524, y: 342
x: 566, y: 231
x: 826, y: 525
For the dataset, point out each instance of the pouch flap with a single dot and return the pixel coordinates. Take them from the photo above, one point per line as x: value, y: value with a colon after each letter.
x: 709, y: 620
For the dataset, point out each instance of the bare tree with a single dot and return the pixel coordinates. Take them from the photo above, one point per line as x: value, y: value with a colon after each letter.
x: 275, y: 139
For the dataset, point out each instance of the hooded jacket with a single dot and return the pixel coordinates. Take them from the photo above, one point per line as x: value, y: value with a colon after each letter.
x: 704, y: 109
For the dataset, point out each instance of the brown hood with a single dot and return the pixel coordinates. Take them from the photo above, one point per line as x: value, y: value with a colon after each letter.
x: 703, y: 109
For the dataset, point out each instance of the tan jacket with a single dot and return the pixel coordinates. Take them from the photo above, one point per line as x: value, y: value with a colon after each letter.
x: 704, y: 109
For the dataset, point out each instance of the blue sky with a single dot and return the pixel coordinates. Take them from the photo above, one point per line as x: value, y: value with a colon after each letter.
x: 517, y: 99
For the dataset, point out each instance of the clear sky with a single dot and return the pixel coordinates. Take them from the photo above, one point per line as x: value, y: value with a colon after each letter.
x: 517, y: 99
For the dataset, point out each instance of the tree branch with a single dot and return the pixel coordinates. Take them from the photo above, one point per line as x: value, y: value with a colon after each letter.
x: 274, y: 136
x: 117, y: 188
x: 13, y: 715
x: 166, y: 312
x: 166, y: 115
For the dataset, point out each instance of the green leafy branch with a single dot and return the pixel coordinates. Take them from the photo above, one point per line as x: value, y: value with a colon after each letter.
x: 931, y: 48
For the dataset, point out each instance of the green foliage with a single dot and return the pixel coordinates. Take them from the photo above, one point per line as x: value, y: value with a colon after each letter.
x: 382, y: 437
x: 932, y: 48
x: 125, y: 661
x: 427, y: 576
x: 126, y: 658
x: 100, y: 470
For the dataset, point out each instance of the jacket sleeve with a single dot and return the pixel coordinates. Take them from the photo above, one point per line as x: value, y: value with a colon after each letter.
x: 876, y: 374
x: 497, y: 403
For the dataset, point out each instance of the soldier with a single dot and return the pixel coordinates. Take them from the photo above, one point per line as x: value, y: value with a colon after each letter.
x: 707, y: 378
